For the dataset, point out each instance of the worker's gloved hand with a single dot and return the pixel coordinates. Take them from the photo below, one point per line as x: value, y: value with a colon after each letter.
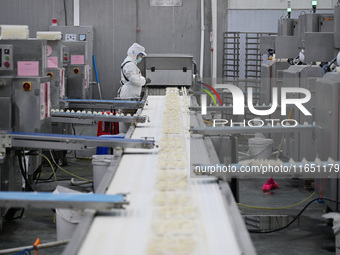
x: 148, y: 80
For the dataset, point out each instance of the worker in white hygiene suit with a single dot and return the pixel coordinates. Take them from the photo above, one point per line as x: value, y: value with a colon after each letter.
x: 131, y: 79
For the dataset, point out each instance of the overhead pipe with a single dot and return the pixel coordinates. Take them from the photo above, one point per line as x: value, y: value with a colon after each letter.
x: 202, y: 40
x: 214, y: 41
x: 137, y: 22
x: 76, y: 11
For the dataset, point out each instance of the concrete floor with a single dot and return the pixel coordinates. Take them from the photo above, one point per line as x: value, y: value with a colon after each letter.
x: 40, y: 223
x: 36, y: 223
x: 310, y: 235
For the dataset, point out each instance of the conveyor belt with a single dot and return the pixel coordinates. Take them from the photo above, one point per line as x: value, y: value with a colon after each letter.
x: 68, y: 201
x: 135, y: 175
x: 128, y: 232
x: 62, y: 141
x: 90, y: 118
x: 101, y: 104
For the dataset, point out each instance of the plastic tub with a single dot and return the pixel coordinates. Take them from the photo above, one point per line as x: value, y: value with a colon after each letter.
x: 66, y: 219
x: 260, y: 147
x: 100, y: 164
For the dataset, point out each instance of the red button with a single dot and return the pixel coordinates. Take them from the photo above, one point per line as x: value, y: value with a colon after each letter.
x: 65, y: 58
x: 6, y: 64
x: 26, y: 86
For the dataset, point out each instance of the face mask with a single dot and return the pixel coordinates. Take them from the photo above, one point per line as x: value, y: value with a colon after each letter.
x: 138, y: 60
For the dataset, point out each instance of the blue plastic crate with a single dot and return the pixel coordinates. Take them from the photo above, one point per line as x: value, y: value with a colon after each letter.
x: 105, y: 150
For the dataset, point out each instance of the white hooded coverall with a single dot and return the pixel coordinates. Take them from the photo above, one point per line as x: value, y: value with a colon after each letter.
x: 133, y: 87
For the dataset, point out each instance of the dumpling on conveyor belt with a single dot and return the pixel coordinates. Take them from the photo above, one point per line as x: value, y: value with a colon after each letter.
x: 171, y: 156
x: 189, y: 211
x: 177, y: 211
x: 171, y: 175
x: 172, y: 197
x: 183, y: 184
x: 171, y: 245
x: 171, y: 164
x: 168, y: 211
x: 173, y: 226
x: 172, y: 184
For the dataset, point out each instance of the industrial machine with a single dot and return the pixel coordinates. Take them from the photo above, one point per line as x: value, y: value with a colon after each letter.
x: 77, y: 54
x: 25, y: 86
x: 302, y: 49
x: 314, y: 22
x: 313, y: 139
x: 327, y: 115
x: 278, y: 50
x: 168, y: 70
x: 327, y: 136
x: 301, y: 145
x: 287, y: 26
x: 54, y: 65
x: 76, y: 71
x: 25, y: 103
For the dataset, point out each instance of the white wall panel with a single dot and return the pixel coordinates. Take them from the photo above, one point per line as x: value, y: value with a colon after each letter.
x: 279, y: 4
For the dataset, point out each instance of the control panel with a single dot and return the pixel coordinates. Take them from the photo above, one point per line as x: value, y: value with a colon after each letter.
x: 70, y: 37
x: 66, y: 54
x: 82, y: 36
x: 6, y: 57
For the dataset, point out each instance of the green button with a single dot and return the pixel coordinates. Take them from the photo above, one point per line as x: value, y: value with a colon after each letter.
x: 7, y: 57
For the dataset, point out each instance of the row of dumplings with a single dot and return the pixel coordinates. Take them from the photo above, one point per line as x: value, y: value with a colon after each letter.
x: 174, y: 226
x: 165, y: 245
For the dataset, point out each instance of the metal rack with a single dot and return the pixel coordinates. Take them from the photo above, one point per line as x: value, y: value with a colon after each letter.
x: 231, y: 55
x: 243, y: 48
x: 253, y: 56
x: 253, y: 61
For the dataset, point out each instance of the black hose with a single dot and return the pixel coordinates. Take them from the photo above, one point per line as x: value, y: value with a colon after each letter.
x: 53, y: 165
x: 74, y: 131
x: 263, y: 231
x: 195, y: 67
x: 10, y: 214
x: 65, y: 11
x: 25, y: 168
x: 28, y: 186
